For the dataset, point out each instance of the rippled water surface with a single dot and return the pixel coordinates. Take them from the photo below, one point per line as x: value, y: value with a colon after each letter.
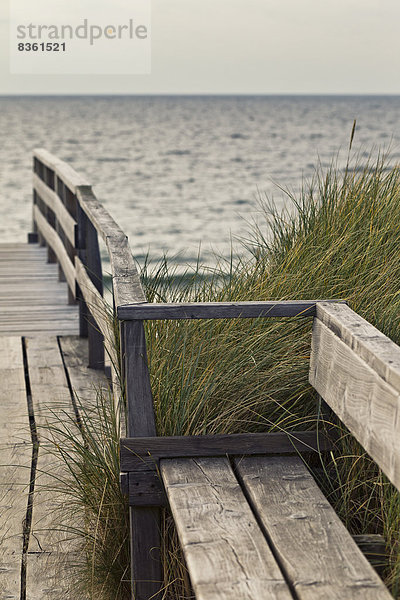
x: 177, y: 171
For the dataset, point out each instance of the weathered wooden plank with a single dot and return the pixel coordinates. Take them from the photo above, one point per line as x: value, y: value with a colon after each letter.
x: 367, y: 405
x: 94, y: 301
x: 144, y: 488
x: 141, y: 421
x: 53, y: 413
x: 101, y: 219
x: 55, y: 242
x: 42, y: 327
x: 52, y: 406
x: 15, y: 465
x: 86, y: 383
x: 64, y: 218
x: 226, y: 552
x: 316, y: 552
x: 41, y: 287
x: 219, y: 310
x: 35, y: 332
x: 374, y: 347
x: 51, y: 576
x: 374, y: 548
x: 146, y: 451
x: 126, y: 281
x: 44, y: 311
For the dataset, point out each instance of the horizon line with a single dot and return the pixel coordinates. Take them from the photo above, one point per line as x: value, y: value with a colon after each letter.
x: 199, y: 94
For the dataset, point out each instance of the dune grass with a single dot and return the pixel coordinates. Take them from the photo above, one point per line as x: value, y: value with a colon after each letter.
x: 339, y: 238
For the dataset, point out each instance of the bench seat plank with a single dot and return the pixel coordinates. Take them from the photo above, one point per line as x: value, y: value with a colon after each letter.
x: 227, y: 555
x: 317, y: 554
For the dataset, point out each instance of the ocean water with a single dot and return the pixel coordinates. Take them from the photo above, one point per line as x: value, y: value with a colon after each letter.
x: 180, y: 172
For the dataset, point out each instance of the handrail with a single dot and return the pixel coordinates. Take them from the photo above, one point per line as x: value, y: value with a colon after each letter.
x: 67, y: 217
x: 125, y: 275
x: 221, y: 310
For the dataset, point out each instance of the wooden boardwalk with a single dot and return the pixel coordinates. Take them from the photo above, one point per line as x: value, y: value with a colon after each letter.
x: 32, y: 300
x: 43, y: 367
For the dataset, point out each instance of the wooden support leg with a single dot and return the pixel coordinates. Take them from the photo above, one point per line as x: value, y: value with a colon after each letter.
x: 96, y: 345
x: 146, y: 566
x: 61, y: 276
x: 51, y: 255
x: 147, y: 577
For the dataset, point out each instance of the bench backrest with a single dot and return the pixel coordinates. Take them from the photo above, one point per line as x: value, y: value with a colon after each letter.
x: 356, y: 369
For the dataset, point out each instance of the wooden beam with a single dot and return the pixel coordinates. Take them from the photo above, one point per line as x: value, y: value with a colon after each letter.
x: 370, y: 344
x: 56, y: 244
x: 93, y: 299
x: 361, y: 398
x: 15, y: 466
x: 126, y: 281
x: 51, y: 199
x: 143, y: 453
x: 219, y: 310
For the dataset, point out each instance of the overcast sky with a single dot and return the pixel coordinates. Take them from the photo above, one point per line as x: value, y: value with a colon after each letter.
x: 248, y: 47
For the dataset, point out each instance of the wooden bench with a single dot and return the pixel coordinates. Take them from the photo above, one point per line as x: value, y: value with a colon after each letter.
x: 251, y: 520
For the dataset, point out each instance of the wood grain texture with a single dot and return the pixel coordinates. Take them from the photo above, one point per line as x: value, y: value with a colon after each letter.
x: 219, y: 310
x: 143, y: 453
x: 225, y: 550
x: 139, y: 399
x: 144, y: 488
x: 93, y: 299
x: 51, y: 552
x: 94, y: 270
x: 126, y: 281
x: 65, y: 220
x: 86, y: 383
x: 15, y: 463
x: 370, y: 344
x: 53, y: 240
x: 315, y: 550
x: 365, y: 403
x: 98, y: 215
x: 52, y: 405
x: 32, y: 300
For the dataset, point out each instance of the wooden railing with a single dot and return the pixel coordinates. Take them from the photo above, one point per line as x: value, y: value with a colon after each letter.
x: 68, y: 219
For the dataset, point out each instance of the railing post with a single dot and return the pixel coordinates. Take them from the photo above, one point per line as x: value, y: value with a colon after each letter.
x: 145, y: 522
x: 33, y: 236
x: 49, y: 177
x: 88, y: 251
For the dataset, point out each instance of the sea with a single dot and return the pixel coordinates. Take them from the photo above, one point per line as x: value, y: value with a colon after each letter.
x: 187, y: 176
